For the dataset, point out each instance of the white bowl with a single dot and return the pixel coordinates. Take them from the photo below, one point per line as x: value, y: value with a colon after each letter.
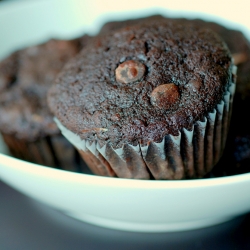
x: 135, y: 205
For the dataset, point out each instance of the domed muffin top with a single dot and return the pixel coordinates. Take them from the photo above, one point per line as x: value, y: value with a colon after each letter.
x: 25, y: 77
x: 139, y: 83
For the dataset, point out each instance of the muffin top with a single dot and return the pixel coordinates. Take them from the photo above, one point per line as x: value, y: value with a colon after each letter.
x: 139, y: 83
x: 237, y: 43
x: 25, y: 77
x: 239, y: 46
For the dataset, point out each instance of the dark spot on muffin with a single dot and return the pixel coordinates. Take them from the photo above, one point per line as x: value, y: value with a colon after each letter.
x: 10, y: 80
x: 165, y: 95
x: 129, y: 71
x: 147, y: 47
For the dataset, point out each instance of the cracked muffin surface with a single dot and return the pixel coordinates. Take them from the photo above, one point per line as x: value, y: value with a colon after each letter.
x: 139, y: 83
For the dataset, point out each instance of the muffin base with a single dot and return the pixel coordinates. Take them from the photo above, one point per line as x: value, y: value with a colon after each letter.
x: 53, y: 151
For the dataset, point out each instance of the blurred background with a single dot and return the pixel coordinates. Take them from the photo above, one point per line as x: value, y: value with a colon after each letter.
x: 75, y: 17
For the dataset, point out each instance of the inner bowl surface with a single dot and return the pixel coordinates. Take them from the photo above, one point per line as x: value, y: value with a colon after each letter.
x: 135, y: 205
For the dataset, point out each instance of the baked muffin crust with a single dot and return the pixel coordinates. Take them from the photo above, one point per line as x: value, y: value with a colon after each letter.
x: 89, y: 100
x: 25, y: 78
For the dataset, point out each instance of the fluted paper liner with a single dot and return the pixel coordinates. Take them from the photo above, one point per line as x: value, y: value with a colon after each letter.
x: 46, y: 151
x: 190, y: 154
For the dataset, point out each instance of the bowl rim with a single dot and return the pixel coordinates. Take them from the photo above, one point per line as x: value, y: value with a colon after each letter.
x: 59, y: 175
x: 63, y: 175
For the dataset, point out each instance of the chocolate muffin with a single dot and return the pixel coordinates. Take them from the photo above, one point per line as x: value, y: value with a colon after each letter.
x: 151, y: 100
x: 236, y: 158
x: 26, y: 123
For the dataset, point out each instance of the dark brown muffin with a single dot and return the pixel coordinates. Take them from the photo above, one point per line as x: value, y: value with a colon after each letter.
x: 26, y: 123
x: 237, y: 153
x: 144, y: 85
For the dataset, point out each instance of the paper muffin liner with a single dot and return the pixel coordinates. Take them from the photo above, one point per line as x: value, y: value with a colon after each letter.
x: 190, y: 154
x: 46, y: 151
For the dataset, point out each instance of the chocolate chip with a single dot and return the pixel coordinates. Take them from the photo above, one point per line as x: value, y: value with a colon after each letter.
x: 165, y: 95
x: 129, y: 71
